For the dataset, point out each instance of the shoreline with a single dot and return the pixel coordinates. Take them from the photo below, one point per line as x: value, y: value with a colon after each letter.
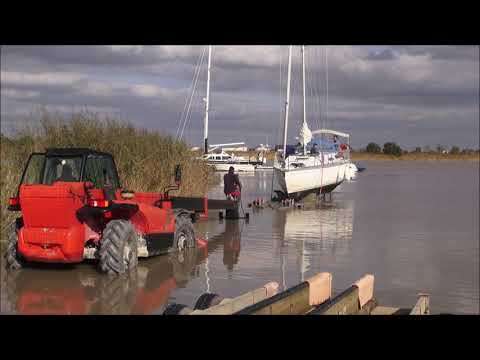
x: 415, y: 157
x: 364, y: 156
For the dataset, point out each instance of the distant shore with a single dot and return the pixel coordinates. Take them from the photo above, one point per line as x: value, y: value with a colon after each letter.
x: 359, y: 156
x: 415, y: 156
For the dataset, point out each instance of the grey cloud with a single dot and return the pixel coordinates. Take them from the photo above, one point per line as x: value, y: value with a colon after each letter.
x: 459, y: 52
x: 431, y: 96
x: 386, y: 54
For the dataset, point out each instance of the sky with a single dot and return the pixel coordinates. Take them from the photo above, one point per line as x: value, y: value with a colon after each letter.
x: 413, y: 95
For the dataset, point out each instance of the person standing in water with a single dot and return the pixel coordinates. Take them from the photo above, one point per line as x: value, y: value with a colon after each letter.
x: 231, y: 184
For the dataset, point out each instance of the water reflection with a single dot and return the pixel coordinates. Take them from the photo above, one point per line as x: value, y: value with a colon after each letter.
x: 81, y: 290
x: 322, y: 230
x: 84, y: 291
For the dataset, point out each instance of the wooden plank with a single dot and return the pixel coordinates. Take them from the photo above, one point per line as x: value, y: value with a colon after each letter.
x: 346, y: 303
x: 384, y: 310
x: 297, y: 300
x: 295, y: 304
x: 388, y: 310
x: 293, y: 301
x: 229, y: 306
x: 368, y: 307
x: 365, y: 288
x: 320, y: 288
x: 422, y: 307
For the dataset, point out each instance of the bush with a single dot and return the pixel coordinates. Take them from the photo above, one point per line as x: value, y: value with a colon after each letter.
x: 391, y: 148
x: 373, y: 148
x: 455, y: 150
x: 418, y: 149
x: 145, y: 159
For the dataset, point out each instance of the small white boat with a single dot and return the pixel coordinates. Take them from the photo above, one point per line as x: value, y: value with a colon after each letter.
x: 263, y: 167
x: 222, y: 162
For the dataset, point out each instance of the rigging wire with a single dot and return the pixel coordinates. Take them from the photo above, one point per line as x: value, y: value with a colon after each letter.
x: 318, y: 86
x: 189, y: 93
x: 326, y: 92
x: 187, y: 116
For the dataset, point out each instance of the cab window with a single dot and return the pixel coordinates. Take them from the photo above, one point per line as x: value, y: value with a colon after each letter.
x: 100, y: 170
x: 62, y: 168
x: 33, y: 170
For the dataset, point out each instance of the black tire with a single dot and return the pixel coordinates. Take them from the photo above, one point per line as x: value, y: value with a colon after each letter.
x: 118, y: 248
x: 177, y: 309
x: 184, y: 236
x: 207, y: 300
x: 13, y: 259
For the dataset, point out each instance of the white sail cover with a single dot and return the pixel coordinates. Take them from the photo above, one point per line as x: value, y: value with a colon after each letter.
x: 305, y: 135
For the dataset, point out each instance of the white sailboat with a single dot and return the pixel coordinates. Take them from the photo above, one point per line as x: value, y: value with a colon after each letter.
x: 305, y: 172
x: 214, y: 154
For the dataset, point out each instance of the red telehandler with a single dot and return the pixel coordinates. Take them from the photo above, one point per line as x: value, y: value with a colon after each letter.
x: 72, y: 207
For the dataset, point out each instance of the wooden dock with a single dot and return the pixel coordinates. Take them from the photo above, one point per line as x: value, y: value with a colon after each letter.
x: 311, y: 297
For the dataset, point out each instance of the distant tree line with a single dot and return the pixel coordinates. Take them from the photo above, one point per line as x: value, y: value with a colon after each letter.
x: 392, y: 148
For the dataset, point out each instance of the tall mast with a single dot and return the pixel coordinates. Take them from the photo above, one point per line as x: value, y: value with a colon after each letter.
x: 285, y: 126
x: 326, y: 68
x: 304, y: 97
x: 207, y: 101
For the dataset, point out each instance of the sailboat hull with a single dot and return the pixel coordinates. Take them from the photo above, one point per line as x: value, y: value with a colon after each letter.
x: 315, y: 178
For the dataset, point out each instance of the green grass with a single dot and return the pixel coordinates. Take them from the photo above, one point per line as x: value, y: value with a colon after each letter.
x: 145, y: 159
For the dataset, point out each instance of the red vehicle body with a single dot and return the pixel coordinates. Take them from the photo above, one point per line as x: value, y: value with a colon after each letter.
x: 73, y: 207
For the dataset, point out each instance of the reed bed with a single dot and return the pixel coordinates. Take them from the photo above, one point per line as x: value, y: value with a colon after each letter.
x: 145, y: 159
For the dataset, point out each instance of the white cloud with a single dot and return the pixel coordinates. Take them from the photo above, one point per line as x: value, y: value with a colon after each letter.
x: 412, y: 68
x: 133, y: 49
x: 96, y: 88
x: 145, y: 90
x: 19, y: 94
x: 45, y: 78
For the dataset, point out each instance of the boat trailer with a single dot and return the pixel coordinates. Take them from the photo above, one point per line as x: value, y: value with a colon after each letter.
x: 202, y: 205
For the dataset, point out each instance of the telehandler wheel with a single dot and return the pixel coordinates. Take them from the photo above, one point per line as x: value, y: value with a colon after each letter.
x: 184, y: 233
x: 118, y: 248
x: 13, y: 260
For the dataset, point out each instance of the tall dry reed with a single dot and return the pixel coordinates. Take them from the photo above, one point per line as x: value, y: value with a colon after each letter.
x: 145, y: 159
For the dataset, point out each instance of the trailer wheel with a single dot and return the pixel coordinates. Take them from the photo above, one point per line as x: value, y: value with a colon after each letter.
x: 184, y: 233
x: 207, y: 300
x: 177, y: 309
x: 13, y: 260
x: 118, y: 248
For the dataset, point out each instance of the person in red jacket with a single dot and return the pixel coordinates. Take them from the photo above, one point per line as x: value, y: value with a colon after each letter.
x: 232, y: 186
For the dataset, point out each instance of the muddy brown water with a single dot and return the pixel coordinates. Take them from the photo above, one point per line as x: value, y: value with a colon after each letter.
x: 414, y: 225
